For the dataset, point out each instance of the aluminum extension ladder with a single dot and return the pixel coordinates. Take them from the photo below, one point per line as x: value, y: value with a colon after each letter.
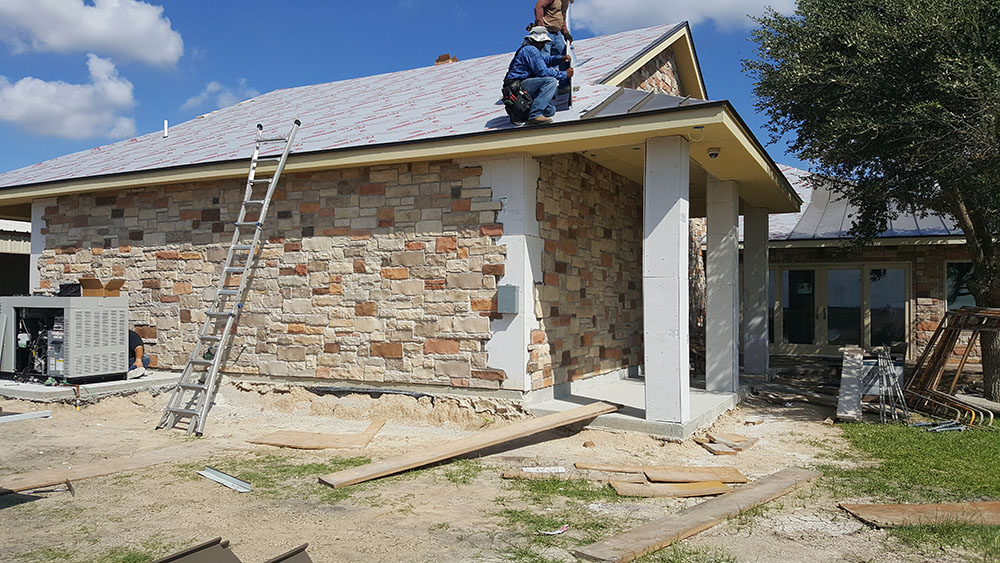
x: 194, y: 395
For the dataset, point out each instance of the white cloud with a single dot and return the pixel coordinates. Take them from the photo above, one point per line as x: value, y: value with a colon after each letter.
x: 127, y: 29
x: 221, y: 96
x: 72, y: 111
x: 609, y: 16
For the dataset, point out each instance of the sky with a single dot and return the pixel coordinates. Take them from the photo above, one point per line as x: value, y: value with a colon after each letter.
x: 78, y: 74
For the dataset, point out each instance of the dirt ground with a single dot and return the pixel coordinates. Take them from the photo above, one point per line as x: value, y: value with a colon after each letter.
x: 460, y: 511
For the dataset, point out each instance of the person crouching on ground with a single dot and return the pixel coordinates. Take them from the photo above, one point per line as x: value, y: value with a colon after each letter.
x: 138, y: 360
x: 539, y: 75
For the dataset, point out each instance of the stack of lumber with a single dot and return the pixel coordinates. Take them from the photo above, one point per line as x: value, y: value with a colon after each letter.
x: 667, y: 481
x: 723, y: 443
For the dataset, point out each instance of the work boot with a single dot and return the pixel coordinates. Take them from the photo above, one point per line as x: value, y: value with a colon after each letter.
x: 540, y: 120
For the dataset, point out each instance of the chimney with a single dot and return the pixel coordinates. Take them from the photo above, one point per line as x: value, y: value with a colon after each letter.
x: 446, y: 58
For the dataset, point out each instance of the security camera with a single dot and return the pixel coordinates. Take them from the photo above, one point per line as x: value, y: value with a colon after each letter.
x: 714, y: 152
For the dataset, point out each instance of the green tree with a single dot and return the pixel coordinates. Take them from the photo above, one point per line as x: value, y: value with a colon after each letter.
x: 900, y: 101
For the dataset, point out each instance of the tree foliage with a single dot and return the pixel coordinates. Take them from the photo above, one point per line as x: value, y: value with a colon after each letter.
x: 899, y: 100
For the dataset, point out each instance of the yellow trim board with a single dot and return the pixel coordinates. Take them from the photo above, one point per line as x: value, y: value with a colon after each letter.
x: 741, y: 159
x: 687, y: 63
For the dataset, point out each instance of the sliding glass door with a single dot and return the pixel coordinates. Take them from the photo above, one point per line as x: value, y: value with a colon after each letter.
x: 819, y: 309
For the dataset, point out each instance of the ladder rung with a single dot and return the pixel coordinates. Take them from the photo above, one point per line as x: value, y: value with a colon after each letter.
x: 205, y: 363
x: 236, y: 269
x: 210, y: 337
x: 242, y: 246
x: 219, y: 315
x: 262, y: 181
x: 272, y: 139
x: 183, y: 412
x: 254, y: 202
x: 247, y: 223
x: 229, y: 292
x: 269, y: 159
x: 193, y: 386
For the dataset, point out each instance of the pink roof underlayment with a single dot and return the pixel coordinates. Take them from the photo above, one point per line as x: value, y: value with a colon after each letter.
x: 420, y: 104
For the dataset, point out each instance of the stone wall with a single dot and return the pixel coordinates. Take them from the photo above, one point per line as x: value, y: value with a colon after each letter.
x: 928, y: 277
x: 658, y: 75
x: 590, y: 303
x: 382, y: 274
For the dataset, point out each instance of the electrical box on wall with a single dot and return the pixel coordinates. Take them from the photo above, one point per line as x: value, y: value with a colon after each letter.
x: 507, y: 299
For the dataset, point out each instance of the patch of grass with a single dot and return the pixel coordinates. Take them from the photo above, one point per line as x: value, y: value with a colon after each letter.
x: 463, y: 471
x: 278, y: 477
x: 44, y: 554
x: 526, y: 554
x: 542, y: 491
x: 984, y: 540
x: 746, y: 519
x: 912, y: 465
x: 684, y: 554
x: 584, y: 526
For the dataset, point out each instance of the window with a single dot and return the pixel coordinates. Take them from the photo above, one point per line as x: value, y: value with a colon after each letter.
x: 957, y: 290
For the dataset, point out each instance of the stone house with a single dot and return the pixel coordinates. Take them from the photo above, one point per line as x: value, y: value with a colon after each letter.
x: 410, y: 198
x: 825, y: 293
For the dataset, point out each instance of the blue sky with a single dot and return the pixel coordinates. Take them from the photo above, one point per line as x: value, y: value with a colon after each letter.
x: 75, y: 75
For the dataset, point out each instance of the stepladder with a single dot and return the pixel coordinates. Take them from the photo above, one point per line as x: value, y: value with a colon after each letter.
x: 193, y: 396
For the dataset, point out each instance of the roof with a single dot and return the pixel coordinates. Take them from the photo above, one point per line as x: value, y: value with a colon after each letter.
x: 420, y: 104
x: 15, y: 226
x: 826, y: 215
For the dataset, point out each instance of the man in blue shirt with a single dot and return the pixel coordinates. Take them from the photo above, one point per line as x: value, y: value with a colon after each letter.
x: 539, y: 75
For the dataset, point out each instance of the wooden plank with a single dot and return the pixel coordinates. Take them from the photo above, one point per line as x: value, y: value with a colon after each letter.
x: 695, y: 474
x: 728, y: 437
x: 674, y: 490
x: 621, y: 477
x: 718, y: 449
x: 319, y: 441
x: 50, y: 477
x: 610, y: 467
x: 14, y: 417
x: 448, y: 450
x: 660, y: 533
x: 889, y: 515
x: 746, y: 445
x: 849, y: 399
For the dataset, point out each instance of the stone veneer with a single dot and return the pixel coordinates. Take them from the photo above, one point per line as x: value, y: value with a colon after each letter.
x: 382, y: 274
x: 657, y: 75
x: 589, y: 305
x: 927, y: 286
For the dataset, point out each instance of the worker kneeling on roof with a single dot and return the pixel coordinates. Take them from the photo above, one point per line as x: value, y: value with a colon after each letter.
x: 539, y: 74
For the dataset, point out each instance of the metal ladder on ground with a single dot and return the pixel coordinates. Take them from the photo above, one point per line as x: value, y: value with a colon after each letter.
x: 194, y: 395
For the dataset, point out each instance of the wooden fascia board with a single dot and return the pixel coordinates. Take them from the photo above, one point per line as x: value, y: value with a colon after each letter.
x: 886, y: 241
x: 552, y: 139
x: 750, y: 143
x: 685, y: 56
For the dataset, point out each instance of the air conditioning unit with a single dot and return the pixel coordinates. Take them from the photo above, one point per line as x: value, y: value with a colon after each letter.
x: 66, y: 338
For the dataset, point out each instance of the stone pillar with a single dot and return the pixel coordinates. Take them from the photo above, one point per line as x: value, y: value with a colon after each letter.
x: 665, y: 280
x: 514, y: 180
x: 722, y: 320
x: 755, y: 283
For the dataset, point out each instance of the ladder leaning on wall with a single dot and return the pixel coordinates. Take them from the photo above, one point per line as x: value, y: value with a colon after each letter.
x: 194, y: 395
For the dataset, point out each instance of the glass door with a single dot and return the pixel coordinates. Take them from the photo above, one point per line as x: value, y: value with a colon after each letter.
x: 798, y: 306
x: 843, y: 314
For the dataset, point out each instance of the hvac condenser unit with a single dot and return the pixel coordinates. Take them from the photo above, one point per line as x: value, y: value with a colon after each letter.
x: 66, y: 338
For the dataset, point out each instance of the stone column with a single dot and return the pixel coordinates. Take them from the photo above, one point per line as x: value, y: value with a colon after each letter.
x: 514, y: 180
x: 755, y: 283
x: 722, y: 319
x: 665, y: 280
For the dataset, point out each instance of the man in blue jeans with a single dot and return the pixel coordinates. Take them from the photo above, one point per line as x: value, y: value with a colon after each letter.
x: 539, y: 75
x: 138, y: 359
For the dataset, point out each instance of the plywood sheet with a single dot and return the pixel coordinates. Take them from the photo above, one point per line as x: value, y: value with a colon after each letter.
x: 50, y: 477
x: 889, y: 515
x: 718, y: 449
x: 319, y: 441
x: 675, y: 490
x: 448, y: 450
x: 658, y: 534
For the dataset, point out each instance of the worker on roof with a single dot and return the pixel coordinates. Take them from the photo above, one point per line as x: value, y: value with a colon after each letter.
x: 539, y: 74
x: 551, y: 14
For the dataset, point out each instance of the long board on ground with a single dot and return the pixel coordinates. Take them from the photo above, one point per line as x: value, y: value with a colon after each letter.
x: 849, y: 399
x: 319, y: 441
x: 469, y: 444
x: 658, y: 534
x: 50, y: 477
x: 889, y: 515
x: 673, y: 490
x: 619, y: 477
x: 671, y: 474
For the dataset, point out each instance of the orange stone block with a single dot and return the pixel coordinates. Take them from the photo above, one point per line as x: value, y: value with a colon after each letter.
x: 395, y: 273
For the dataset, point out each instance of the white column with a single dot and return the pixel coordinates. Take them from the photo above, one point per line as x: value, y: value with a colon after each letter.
x: 665, y: 280
x: 37, y: 240
x: 514, y: 180
x: 722, y: 320
x: 755, y: 274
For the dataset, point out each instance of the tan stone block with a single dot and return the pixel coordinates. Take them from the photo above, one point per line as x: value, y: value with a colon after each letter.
x: 408, y: 287
x: 471, y: 325
x: 465, y: 281
x: 440, y: 346
x: 369, y: 309
x: 183, y: 288
x: 409, y: 259
x: 368, y: 324
x: 452, y: 368
x: 386, y: 349
x: 395, y: 273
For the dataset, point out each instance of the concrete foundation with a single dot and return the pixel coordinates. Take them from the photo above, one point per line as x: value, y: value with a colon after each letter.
x: 88, y: 392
